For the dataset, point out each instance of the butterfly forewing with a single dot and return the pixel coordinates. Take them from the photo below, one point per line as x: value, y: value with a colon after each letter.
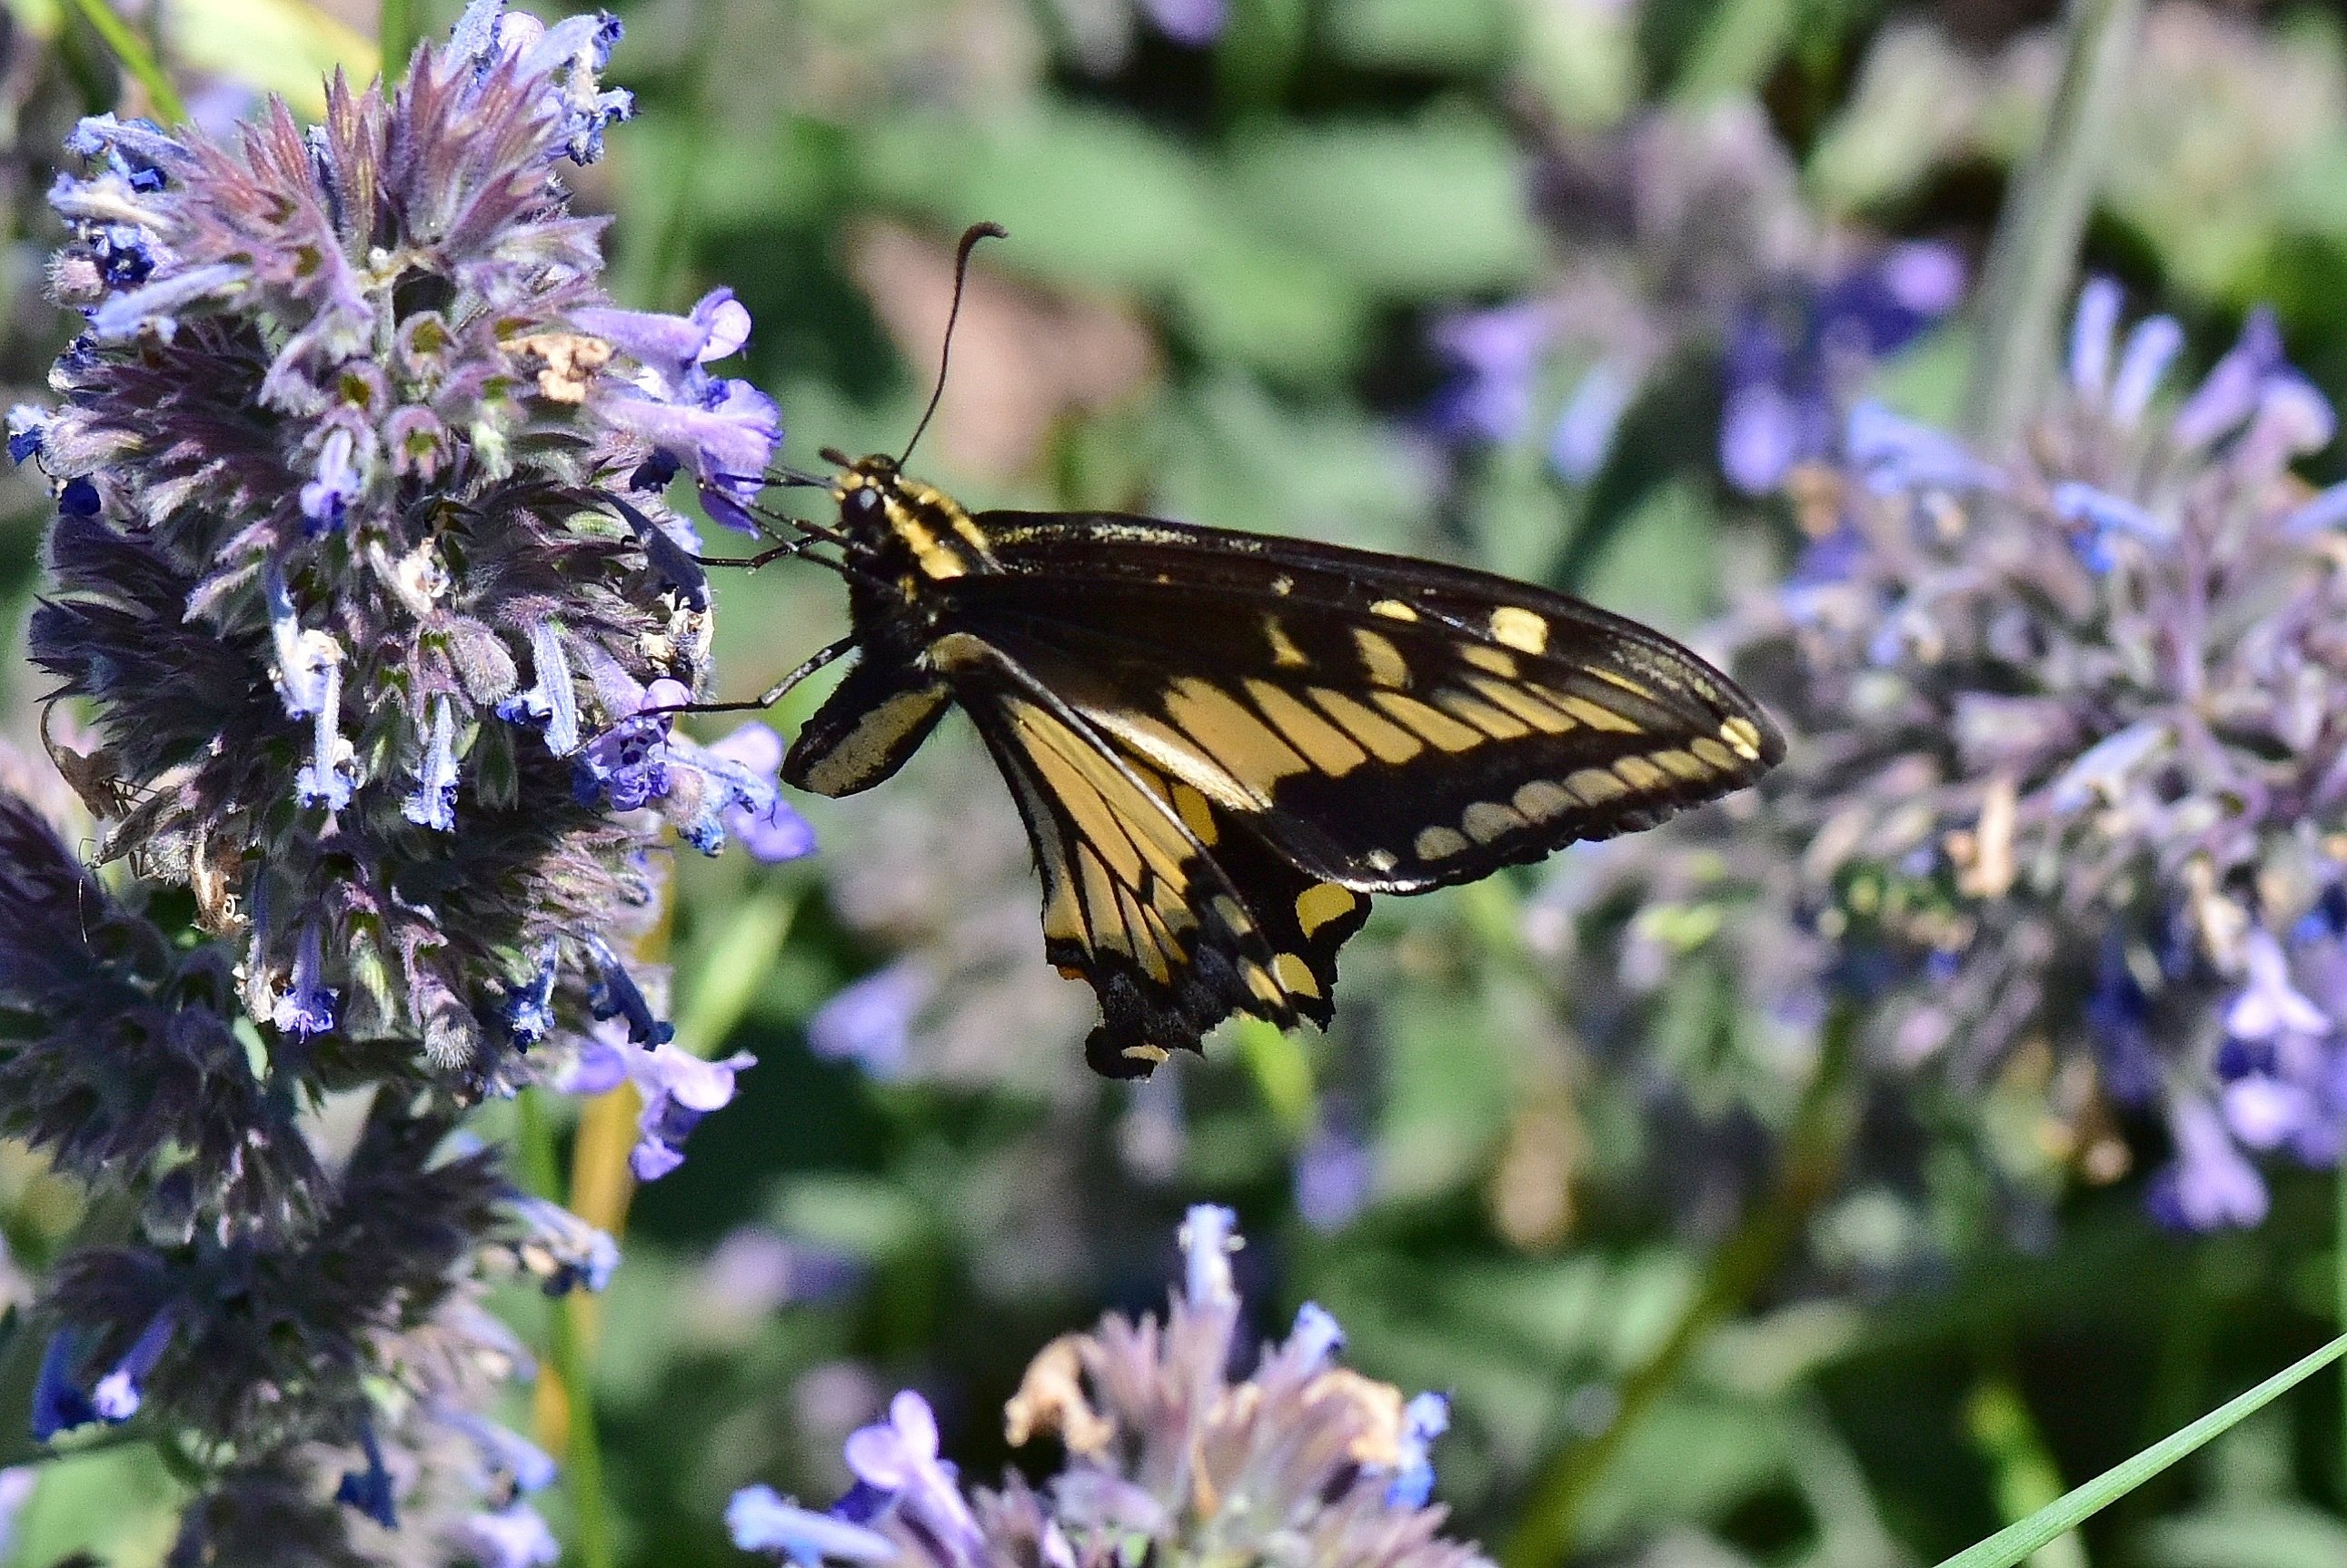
x: 1386, y: 724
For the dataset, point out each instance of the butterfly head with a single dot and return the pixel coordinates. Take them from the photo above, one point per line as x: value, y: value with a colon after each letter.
x: 863, y: 490
x: 894, y: 523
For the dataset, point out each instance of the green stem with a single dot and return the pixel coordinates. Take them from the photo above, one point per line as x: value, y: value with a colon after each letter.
x: 396, y: 31
x: 2034, y: 253
x: 1814, y: 1150
x: 2016, y: 1542
x: 2024, y: 1475
x: 2339, y: 1271
x: 136, y: 58
x: 566, y: 1358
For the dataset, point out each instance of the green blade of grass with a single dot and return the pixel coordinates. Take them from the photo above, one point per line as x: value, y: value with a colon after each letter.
x: 2016, y: 1542
x: 131, y: 50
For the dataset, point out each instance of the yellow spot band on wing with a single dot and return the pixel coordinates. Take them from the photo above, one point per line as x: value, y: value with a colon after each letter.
x: 1321, y: 903
x: 1283, y: 651
x: 1520, y: 628
x: 1393, y: 609
x: 1386, y: 742
x: 1435, y: 843
x: 1295, y: 975
x: 1444, y: 731
x: 1330, y: 748
x: 1230, y: 734
x: 1383, y: 661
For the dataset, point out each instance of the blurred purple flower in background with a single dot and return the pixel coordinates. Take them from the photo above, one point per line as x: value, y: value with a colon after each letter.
x: 1798, y: 357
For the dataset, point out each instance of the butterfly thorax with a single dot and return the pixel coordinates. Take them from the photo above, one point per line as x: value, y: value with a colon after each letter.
x: 905, y: 531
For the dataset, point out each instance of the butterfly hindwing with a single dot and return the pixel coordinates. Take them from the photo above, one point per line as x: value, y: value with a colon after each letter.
x: 1383, y: 724
x: 1163, y: 903
x: 872, y: 721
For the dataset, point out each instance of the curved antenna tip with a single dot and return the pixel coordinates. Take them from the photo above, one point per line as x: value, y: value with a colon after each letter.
x: 970, y: 239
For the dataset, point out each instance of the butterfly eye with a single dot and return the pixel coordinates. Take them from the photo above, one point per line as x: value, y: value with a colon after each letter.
x: 862, y: 507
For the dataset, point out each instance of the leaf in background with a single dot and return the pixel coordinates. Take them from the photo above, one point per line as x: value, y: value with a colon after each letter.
x: 1581, y: 58
x: 2275, y: 1534
x: 1446, y: 35
x: 275, y: 45
x: 1446, y: 1094
x: 1671, y: 428
x: 1237, y: 457
x: 1432, y: 206
x: 1660, y: 567
x: 1092, y: 199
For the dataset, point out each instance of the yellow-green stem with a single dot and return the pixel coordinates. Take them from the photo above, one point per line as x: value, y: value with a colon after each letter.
x: 2035, y: 253
x: 136, y: 58
x: 1814, y: 1150
x: 398, y: 31
x: 590, y: 1521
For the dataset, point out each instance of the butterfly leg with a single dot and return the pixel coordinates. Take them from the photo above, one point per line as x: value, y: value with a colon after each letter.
x: 773, y: 693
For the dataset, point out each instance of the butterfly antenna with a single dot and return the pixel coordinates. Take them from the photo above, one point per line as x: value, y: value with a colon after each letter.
x: 970, y: 239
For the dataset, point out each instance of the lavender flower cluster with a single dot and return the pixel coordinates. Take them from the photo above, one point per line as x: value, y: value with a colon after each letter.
x: 2069, y: 776
x: 361, y: 565
x: 1168, y: 1458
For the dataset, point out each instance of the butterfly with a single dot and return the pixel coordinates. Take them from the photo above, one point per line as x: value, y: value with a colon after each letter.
x: 1224, y: 744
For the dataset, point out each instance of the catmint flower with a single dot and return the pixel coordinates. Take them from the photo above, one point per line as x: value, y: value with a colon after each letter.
x: 760, y: 1521
x: 369, y: 1489
x: 898, y: 1458
x: 1496, y: 356
x: 705, y: 791
x: 2066, y: 769
x: 753, y: 1272
x: 564, y: 1251
x: 870, y: 1022
x: 1166, y: 1458
x: 1336, y: 1173
x: 1423, y: 1420
x: 1209, y: 1235
x: 1193, y: 24
x: 679, y: 1089
x: 514, y: 1536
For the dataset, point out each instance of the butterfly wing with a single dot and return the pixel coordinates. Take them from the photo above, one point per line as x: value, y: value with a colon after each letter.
x: 1383, y: 723
x: 1174, y: 914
